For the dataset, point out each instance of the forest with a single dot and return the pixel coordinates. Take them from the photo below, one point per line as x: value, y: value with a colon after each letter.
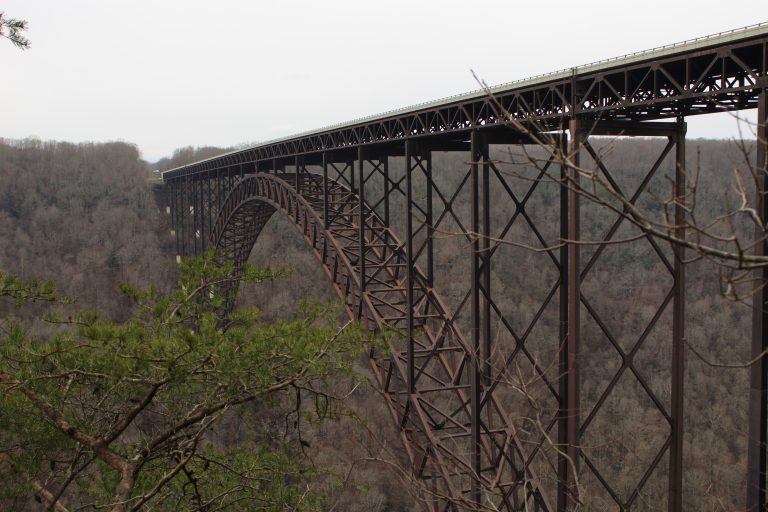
x: 90, y: 217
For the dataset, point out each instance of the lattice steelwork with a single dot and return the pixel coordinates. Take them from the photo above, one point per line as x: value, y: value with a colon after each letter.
x: 497, y: 401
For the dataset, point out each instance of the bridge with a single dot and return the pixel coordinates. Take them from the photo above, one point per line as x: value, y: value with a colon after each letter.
x: 494, y: 390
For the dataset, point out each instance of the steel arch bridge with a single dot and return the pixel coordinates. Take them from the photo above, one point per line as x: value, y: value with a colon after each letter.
x: 377, y: 204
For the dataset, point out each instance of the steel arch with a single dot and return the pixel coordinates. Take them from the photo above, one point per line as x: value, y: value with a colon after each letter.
x: 434, y: 418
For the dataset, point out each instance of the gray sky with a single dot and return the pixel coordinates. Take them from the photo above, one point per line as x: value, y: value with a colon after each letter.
x: 170, y: 73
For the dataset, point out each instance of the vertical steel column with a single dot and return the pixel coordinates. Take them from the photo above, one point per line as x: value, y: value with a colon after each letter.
x: 175, y: 188
x: 485, y: 262
x: 562, y: 424
x: 188, y: 212
x: 212, y: 212
x: 218, y: 191
x: 409, y: 152
x: 172, y: 208
x: 385, y: 172
x: 574, y: 316
x: 326, y: 222
x: 196, y: 213
x: 678, y: 331
x: 297, y: 183
x: 361, y: 227
x: 191, y: 192
x: 184, y: 210
x: 204, y: 214
x: 176, y: 222
x: 191, y: 212
x: 758, y: 408
x: 299, y: 166
x: 478, y: 149
x: 429, y: 220
x: 201, y: 198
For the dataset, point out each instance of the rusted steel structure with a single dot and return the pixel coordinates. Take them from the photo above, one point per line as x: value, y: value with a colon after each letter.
x: 447, y: 380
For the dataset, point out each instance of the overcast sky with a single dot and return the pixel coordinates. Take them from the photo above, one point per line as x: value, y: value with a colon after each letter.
x: 170, y: 73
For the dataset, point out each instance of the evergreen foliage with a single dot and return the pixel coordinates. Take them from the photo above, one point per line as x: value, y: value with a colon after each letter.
x: 11, y: 29
x: 130, y: 415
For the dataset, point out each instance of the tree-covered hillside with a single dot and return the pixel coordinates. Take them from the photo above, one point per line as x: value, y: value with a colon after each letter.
x: 84, y: 216
x: 88, y: 216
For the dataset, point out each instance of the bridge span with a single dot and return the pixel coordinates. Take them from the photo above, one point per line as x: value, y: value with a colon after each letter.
x: 501, y: 395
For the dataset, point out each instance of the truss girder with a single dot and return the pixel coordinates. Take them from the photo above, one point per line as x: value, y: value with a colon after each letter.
x: 723, y: 78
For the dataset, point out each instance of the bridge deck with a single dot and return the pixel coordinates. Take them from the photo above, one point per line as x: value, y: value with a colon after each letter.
x: 721, y: 72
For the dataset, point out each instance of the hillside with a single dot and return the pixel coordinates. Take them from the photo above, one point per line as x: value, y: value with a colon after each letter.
x: 86, y: 216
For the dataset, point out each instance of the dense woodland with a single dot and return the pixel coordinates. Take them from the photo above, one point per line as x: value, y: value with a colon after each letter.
x: 89, y: 216
x: 83, y: 215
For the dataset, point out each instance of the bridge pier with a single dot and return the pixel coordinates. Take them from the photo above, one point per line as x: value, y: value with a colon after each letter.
x: 571, y: 426
x: 480, y: 306
x: 677, y: 413
x: 325, y: 189
x: 410, y: 150
x: 563, y: 418
x: 200, y: 211
x: 361, y: 221
x: 173, y: 193
x: 570, y: 311
x: 188, y: 218
x: 758, y: 405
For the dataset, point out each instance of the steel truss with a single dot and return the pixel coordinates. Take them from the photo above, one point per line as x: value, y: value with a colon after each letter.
x: 721, y: 78
x: 472, y: 432
x: 447, y: 392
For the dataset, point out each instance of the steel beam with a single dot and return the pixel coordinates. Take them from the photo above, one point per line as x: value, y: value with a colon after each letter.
x: 326, y: 221
x: 677, y: 411
x: 197, y: 199
x: 563, y: 463
x: 429, y: 221
x: 385, y: 173
x: 211, y: 217
x: 410, y: 151
x: 480, y: 340
x: 176, y: 215
x: 184, y: 213
x: 189, y: 212
x: 201, y: 204
x: 361, y: 230
x: 576, y: 136
x: 299, y: 164
x: 485, y: 265
x: 219, y: 199
x: 386, y: 191
x: 758, y: 408
x: 298, y: 174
